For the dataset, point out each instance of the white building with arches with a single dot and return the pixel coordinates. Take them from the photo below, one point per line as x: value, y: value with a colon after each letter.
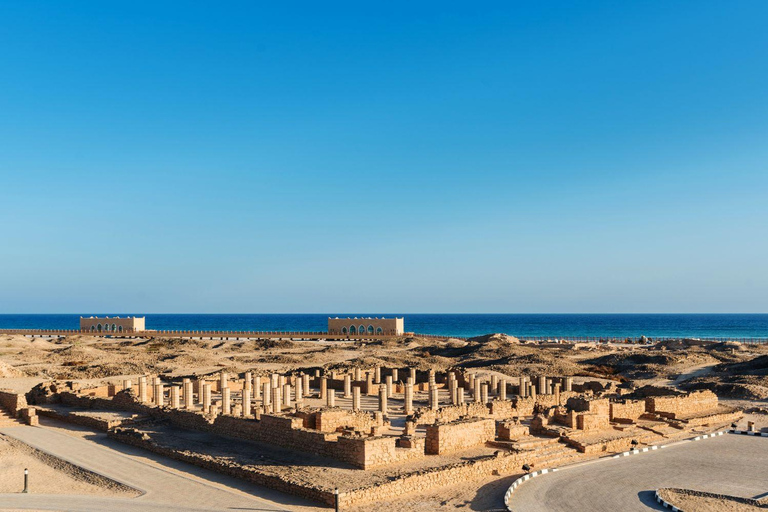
x: 357, y: 327
x: 113, y: 324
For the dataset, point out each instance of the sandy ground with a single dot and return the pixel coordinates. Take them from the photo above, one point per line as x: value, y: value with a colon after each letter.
x: 693, y: 503
x: 43, y: 478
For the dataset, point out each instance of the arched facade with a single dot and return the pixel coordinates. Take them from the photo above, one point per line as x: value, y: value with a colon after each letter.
x: 361, y: 327
x: 112, y: 324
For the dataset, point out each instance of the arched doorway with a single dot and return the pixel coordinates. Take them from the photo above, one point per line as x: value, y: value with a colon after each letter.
x: 343, y: 330
x: 352, y: 329
x: 370, y: 329
x: 378, y: 330
x: 98, y: 327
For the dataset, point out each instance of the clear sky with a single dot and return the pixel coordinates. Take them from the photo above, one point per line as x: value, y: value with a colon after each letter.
x: 384, y: 156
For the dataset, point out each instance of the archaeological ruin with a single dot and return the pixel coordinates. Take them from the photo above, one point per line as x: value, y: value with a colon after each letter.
x: 378, y: 432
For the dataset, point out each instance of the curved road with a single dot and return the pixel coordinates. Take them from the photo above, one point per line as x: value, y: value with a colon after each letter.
x: 167, y: 485
x: 729, y: 464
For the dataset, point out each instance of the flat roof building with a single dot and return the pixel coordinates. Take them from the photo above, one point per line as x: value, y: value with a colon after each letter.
x: 112, y: 324
x: 357, y: 327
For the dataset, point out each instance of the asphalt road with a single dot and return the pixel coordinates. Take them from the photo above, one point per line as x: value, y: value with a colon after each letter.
x: 167, y: 485
x: 731, y: 464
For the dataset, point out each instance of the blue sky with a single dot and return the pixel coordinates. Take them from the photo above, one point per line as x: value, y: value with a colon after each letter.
x: 347, y: 157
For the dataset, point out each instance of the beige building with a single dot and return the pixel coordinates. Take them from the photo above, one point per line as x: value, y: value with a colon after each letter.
x: 362, y: 326
x: 112, y: 324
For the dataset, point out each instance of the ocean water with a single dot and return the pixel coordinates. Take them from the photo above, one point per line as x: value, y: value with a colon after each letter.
x: 554, y: 325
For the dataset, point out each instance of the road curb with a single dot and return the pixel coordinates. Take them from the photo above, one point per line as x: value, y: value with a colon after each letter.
x: 661, y: 501
x: 520, y: 480
x: 749, y: 433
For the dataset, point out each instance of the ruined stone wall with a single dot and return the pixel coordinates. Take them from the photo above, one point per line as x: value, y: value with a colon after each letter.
x: 426, y: 416
x: 369, y: 452
x: 690, y: 404
x: 508, y: 430
x: 13, y: 402
x: 331, y: 420
x: 628, y: 411
x: 458, y: 435
x: 592, y: 421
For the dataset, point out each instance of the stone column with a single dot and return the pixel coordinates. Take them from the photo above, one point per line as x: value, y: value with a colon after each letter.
x: 323, y: 388
x: 377, y: 378
x: 523, y: 387
x: 247, y: 402
x: 277, y: 405
x: 460, y: 395
x: 431, y: 376
x: 175, y: 402
x: 477, y: 391
x: 471, y: 381
x: 542, y: 385
x: 127, y: 384
x: 223, y: 382
x: 347, y: 386
x: 503, y: 389
x: 299, y: 392
x: 569, y: 383
x: 356, y: 398
x: 532, y: 392
x: 389, y: 386
x: 331, y: 398
x: 188, y: 398
x: 394, y: 374
x: 494, y: 389
x: 207, y: 398
x: 143, y: 390
x: 317, y: 373
x: 408, y: 397
x: 306, y: 383
x: 273, y: 380
x: 369, y: 383
x: 383, y: 400
x: 358, y: 374
x: 226, y: 403
x: 159, y: 398
x: 257, y: 387
x: 484, y: 393
x: 281, y: 381
x: 557, y: 393
x: 287, y: 395
x: 266, y: 395
x: 434, y: 398
x: 247, y: 381
x: 413, y: 375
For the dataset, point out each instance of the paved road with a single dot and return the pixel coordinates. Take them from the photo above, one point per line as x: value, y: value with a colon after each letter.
x: 729, y: 464
x: 171, y: 487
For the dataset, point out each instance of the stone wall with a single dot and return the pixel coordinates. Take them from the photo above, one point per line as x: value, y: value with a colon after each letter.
x: 458, y: 435
x: 627, y: 411
x: 685, y: 405
x: 331, y: 420
x: 12, y: 402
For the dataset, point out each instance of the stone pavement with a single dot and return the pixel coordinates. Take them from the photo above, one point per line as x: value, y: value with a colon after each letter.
x: 729, y: 464
x: 166, y: 485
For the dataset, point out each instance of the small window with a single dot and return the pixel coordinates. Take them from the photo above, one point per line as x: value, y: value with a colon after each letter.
x: 119, y: 328
x: 114, y: 327
x: 352, y: 329
x: 378, y: 330
x: 370, y: 329
x: 362, y: 329
x: 343, y: 330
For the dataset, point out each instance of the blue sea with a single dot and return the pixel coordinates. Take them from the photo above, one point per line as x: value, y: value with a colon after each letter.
x: 464, y: 325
